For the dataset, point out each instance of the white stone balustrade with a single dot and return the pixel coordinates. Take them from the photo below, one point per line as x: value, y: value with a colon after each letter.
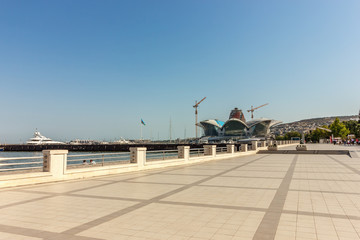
x: 138, y: 155
x: 230, y: 148
x: 55, y: 162
x: 254, y: 145
x: 244, y: 147
x: 210, y: 150
x: 184, y: 152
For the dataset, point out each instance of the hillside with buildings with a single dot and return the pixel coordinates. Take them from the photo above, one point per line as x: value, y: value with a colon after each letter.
x: 308, y: 124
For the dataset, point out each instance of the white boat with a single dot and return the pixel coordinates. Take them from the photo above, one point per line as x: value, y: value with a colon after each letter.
x: 121, y: 141
x: 39, y: 139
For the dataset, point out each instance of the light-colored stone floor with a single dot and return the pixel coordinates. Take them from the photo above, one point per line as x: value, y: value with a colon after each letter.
x: 256, y: 197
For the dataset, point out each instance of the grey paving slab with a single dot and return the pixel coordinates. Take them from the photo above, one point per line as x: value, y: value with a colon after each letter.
x: 269, y: 224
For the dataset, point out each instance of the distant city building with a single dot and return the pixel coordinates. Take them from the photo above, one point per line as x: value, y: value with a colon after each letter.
x: 211, y: 127
x: 307, y: 125
x: 236, y: 127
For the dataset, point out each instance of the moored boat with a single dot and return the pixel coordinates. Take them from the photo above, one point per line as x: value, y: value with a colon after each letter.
x: 39, y: 139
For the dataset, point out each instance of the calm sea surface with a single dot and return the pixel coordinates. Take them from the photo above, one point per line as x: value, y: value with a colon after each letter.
x: 5, y: 154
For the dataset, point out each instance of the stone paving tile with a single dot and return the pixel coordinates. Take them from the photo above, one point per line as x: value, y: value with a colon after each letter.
x: 265, y: 168
x: 225, y: 196
x: 66, y: 186
x: 168, y: 178
x: 254, y: 174
x: 9, y: 236
x: 59, y: 213
x: 124, y: 176
x: 201, y: 172
x: 293, y: 226
x: 330, y: 203
x: 129, y: 190
x: 244, y: 182
x: 219, y: 165
x: 329, y: 176
x: 163, y: 221
x: 10, y: 197
x: 321, y: 169
x: 321, y: 185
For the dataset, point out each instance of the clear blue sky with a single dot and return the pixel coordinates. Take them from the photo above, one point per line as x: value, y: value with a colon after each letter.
x: 92, y: 69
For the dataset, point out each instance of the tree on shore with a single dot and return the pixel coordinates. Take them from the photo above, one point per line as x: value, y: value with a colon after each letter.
x: 339, y: 129
x: 353, y: 126
x: 317, y: 134
x: 289, y: 135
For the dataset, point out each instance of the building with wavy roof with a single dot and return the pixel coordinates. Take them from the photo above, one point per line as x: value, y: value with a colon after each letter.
x: 237, y: 128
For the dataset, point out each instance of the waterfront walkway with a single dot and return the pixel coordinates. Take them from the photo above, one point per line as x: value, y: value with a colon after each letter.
x: 275, y: 196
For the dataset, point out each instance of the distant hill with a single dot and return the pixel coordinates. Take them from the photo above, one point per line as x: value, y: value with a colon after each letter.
x: 308, y: 124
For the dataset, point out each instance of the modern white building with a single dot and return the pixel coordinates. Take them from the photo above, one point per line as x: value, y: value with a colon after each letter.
x: 237, y: 128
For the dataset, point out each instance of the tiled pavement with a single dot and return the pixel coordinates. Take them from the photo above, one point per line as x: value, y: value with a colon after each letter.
x: 254, y: 197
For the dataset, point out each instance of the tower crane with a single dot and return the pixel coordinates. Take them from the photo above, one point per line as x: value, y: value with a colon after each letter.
x: 196, y: 114
x: 253, y: 109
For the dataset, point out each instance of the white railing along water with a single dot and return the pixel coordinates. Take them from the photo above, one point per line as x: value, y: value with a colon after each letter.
x: 220, y: 150
x: 101, y: 159
x: 161, y: 155
x: 11, y: 164
x: 196, y: 152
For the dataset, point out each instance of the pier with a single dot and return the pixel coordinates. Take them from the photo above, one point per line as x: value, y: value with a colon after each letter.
x: 97, y: 147
x: 250, y: 196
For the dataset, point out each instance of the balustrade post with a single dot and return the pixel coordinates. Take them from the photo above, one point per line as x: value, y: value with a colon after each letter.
x: 254, y: 145
x: 230, y: 148
x: 244, y: 147
x: 138, y: 155
x: 55, y: 162
x: 184, y: 152
x: 210, y: 150
x: 262, y: 144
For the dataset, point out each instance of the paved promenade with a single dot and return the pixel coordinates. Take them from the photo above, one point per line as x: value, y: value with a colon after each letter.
x: 257, y: 197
